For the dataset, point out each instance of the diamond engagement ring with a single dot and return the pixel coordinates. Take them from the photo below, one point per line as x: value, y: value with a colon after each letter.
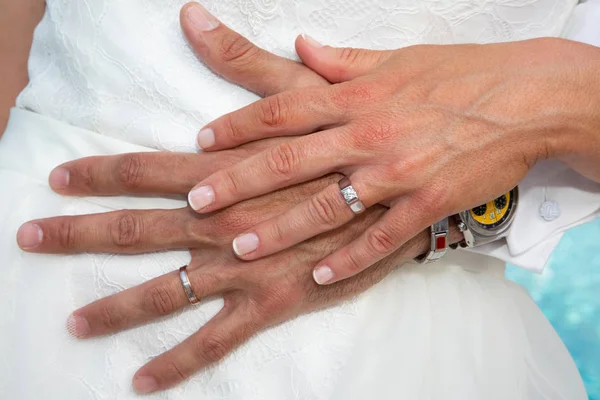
x: 350, y: 196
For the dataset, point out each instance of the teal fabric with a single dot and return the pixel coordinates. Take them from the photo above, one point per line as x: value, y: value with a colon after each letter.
x: 568, y: 292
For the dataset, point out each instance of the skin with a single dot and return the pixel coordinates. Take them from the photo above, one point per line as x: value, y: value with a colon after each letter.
x: 431, y: 130
x: 257, y: 294
x: 17, y: 21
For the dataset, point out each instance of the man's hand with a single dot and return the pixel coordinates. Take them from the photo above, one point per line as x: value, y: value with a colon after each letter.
x: 256, y: 294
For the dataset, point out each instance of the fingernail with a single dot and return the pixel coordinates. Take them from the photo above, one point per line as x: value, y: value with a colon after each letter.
x: 206, y: 138
x: 245, y: 244
x: 201, y: 197
x: 145, y: 384
x: 311, y: 42
x: 59, y: 178
x: 78, y: 326
x: 323, y: 275
x: 29, y: 236
x: 201, y: 19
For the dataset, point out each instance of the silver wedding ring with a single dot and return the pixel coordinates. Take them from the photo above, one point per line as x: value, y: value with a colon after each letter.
x: 351, y: 197
x: 187, y: 286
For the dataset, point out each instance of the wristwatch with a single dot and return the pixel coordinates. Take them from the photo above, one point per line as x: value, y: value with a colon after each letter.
x: 488, y: 222
x: 439, y: 242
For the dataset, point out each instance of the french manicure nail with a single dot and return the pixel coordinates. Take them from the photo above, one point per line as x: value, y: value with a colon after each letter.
x: 78, y: 326
x: 323, y: 275
x: 145, y: 384
x: 201, y: 18
x: 201, y: 197
x: 206, y: 138
x: 312, y: 42
x: 245, y: 244
x: 29, y: 236
x: 59, y: 178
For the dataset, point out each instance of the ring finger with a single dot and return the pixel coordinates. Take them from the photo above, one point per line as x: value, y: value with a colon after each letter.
x: 146, y: 302
x: 325, y: 211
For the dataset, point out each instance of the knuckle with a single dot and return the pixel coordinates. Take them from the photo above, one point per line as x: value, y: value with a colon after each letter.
x: 374, y: 135
x: 174, y: 373
x: 354, y: 95
x: 323, y: 211
x: 159, y: 300
x: 86, y: 175
x: 274, y: 111
x: 237, y: 49
x: 110, y: 319
x: 231, y: 180
x: 380, y: 242
x: 276, y: 233
x: 236, y: 131
x: 353, y: 263
x: 350, y: 56
x: 212, y: 348
x: 130, y: 171
x: 67, y: 235
x: 283, y: 160
x: 381, y: 134
x: 126, y: 230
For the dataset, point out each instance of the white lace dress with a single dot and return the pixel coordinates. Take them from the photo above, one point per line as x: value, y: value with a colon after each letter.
x: 112, y: 76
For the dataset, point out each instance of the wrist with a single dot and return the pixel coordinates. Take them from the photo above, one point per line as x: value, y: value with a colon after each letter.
x: 577, y: 122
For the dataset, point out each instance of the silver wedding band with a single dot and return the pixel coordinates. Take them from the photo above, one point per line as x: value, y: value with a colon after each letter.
x: 187, y: 286
x: 351, y: 197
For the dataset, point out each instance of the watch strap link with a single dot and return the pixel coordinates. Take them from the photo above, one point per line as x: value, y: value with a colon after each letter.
x: 439, y: 242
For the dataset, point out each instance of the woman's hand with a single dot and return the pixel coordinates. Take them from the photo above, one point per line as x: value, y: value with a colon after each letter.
x: 432, y: 130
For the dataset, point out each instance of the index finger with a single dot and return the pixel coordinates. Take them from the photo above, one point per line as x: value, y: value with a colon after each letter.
x: 291, y: 113
x: 278, y: 167
x: 132, y: 173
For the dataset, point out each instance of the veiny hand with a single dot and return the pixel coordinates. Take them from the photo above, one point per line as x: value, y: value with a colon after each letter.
x: 432, y: 130
x: 257, y: 294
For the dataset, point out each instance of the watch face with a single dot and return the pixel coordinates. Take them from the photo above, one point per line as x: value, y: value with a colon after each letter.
x: 495, y: 213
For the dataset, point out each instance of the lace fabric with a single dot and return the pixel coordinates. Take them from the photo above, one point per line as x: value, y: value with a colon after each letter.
x: 124, y: 69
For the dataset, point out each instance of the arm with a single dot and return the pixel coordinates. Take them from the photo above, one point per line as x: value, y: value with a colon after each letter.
x: 432, y: 129
x: 18, y: 19
x: 533, y: 238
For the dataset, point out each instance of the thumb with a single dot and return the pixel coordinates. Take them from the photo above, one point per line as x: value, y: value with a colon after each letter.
x: 338, y: 64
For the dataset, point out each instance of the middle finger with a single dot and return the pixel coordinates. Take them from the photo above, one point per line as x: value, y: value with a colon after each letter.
x: 128, y: 232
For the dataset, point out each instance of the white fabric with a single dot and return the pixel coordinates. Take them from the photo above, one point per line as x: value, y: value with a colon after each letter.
x: 583, y: 24
x: 453, y: 330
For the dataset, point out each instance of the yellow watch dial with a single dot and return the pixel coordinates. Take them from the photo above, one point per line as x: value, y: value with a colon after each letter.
x: 492, y: 214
